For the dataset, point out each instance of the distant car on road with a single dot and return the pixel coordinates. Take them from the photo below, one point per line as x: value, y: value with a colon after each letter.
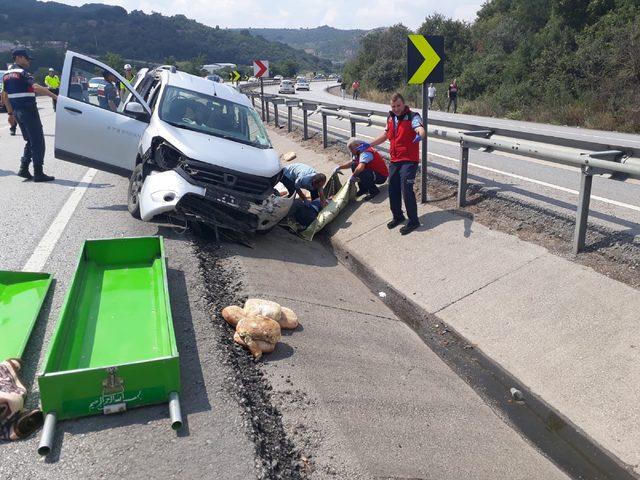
x: 253, y: 79
x: 95, y: 84
x: 320, y: 77
x: 215, y: 78
x: 278, y: 78
x: 3, y: 108
x: 303, y: 84
x: 286, y: 86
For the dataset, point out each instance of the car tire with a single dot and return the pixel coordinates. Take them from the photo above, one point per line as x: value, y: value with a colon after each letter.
x: 133, y: 193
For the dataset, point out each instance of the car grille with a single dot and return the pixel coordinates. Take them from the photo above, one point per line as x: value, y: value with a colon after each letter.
x: 217, y: 214
x: 205, y: 175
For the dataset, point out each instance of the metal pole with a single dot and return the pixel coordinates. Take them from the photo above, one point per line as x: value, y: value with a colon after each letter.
x: 289, y: 118
x: 425, y: 120
x: 253, y: 99
x: 582, y: 215
x: 462, y: 179
x: 48, y: 432
x: 275, y: 115
x: 324, y: 131
x: 268, y: 114
x: 262, y: 96
x: 353, y: 129
x: 305, y: 124
x: 174, y: 411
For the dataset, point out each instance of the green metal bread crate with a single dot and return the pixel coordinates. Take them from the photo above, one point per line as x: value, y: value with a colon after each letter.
x: 114, y: 346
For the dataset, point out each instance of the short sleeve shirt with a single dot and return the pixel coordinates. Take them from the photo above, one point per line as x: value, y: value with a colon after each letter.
x: 300, y: 174
x: 18, y: 84
x: 111, y: 93
x: 416, y: 121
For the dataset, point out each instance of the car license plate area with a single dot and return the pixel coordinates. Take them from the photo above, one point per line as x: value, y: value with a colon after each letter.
x: 224, y: 198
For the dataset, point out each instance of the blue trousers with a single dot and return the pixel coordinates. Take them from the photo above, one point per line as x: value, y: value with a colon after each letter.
x: 29, y: 120
x: 402, y: 176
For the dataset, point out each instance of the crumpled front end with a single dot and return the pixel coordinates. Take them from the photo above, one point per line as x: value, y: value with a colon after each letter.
x: 162, y: 191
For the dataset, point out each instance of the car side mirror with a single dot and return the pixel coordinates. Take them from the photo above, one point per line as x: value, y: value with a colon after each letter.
x: 137, y: 111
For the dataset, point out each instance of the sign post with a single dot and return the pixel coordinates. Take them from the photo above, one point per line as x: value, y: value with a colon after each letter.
x: 261, y: 70
x: 425, y: 64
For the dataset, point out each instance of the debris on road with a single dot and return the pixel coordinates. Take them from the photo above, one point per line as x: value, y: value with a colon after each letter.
x: 258, y: 325
x: 288, y: 157
x: 516, y: 394
x: 14, y: 424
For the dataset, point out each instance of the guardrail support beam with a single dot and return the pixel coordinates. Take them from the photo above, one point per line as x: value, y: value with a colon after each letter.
x: 275, y: 115
x: 289, y: 118
x: 324, y: 131
x: 353, y: 128
x: 305, y: 125
x: 582, y: 216
x: 462, y: 178
x: 266, y: 101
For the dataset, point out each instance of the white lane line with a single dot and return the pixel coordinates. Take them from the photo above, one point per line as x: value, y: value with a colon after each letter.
x: 48, y: 241
x: 511, y: 175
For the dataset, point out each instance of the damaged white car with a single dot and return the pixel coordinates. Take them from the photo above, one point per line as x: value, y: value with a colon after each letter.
x: 194, y: 150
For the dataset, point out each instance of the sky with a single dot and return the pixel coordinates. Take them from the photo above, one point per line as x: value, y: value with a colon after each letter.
x: 344, y: 14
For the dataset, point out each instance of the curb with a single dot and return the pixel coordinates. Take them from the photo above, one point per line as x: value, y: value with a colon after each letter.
x: 560, y: 440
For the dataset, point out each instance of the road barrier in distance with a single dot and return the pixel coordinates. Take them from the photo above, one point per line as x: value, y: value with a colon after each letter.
x: 590, y: 163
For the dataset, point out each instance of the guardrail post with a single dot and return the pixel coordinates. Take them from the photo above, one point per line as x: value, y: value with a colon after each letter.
x: 462, y: 179
x: 582, y: 215
x: 289, y: 118
x: 353, y: 128
x: 324, y: 131
x: 267, y: 110
x: 275, y: 115
x: 305, y: 124
x: 253, y: 100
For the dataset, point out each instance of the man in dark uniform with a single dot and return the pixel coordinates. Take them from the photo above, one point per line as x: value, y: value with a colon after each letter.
x: 108, y: 95
x: 404, y: 132
x: 19, y: 94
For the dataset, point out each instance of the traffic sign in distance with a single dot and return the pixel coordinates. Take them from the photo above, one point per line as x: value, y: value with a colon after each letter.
x: 425, y: 59
x: 235, y: 76
x: 261, y: 68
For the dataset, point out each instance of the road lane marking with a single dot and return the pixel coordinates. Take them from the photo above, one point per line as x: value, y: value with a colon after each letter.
x: 507, y: 174
x: 49, y: 240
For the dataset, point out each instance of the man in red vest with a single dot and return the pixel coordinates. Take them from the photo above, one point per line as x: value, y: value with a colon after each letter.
x: 404, y: 132
x: 368, y: 167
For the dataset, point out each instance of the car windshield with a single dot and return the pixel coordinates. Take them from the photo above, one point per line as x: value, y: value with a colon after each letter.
x: 213, y: 116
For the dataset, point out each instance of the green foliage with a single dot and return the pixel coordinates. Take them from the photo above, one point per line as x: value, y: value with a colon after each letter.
x: 571, y: 62
x: 114, y: 60
x: 95, y: 29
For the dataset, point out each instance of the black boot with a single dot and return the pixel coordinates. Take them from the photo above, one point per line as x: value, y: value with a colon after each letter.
x: 24, y: 171
x: 39, y: 175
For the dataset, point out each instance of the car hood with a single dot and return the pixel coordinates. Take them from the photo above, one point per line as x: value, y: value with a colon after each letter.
x: 220, y: 152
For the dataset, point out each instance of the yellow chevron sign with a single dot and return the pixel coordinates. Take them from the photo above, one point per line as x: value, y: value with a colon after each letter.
x: 425, y: 59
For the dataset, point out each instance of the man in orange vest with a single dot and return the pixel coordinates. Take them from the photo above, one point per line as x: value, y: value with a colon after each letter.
x: 404, y: 132
x: 368, y: 167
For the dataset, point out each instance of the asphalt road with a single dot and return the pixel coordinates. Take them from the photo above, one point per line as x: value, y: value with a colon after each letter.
x: 615, y: 204
x: 357, y: 390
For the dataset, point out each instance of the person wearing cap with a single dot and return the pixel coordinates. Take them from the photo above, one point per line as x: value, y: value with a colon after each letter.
x: 128, y: 76
x: 108, y: 95
x: 368, y: 167
x: 298, y: 176
x: 19, y: 95
x: 52, y: 81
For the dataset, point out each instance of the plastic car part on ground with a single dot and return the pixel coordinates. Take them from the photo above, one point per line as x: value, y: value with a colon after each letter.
x: 341, y: 196
x: 114, y: 346
x: 258, y: 325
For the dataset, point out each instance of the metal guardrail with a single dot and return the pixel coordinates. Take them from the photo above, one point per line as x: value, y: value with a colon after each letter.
x: 589, y: 162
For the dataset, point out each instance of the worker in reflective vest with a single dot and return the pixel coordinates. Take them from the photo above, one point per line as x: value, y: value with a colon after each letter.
x: 128, y: 76
x: 368, y: 167
x: 404, y: 132
x: 52, y: 81
x: 19, y: 95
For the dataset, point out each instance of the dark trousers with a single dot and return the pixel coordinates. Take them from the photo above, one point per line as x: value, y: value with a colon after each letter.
x: 369, y: 181
x: 29, y: 121
x: 402, y: 176
x: 55, y: 102
x: 291, y: 187
x: 453, y: 100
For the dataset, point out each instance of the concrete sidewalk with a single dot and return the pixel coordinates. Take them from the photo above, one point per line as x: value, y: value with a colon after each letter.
x: 569, y: 334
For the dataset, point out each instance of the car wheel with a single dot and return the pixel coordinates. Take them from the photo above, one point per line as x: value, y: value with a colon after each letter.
x: 135, y: 187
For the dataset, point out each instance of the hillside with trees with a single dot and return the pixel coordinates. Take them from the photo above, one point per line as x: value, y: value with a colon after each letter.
x: 326, y: 42
x: 571, y: 62
x: 97, y: 29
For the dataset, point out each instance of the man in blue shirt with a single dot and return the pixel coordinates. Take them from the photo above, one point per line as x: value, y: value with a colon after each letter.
x: 19, y: 95
x: 108, y: 96
x: 298, y: 176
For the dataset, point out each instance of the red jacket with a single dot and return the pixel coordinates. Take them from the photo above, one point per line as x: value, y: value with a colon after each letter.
x: 401, y: 138
x: 378, y: 164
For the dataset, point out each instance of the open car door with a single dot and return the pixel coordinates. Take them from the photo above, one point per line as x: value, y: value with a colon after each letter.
x: 94, y: 127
